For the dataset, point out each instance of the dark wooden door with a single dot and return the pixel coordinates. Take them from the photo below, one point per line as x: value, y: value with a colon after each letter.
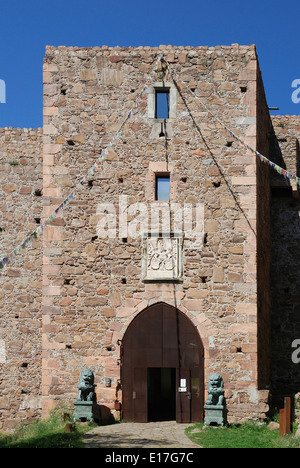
x: 139, y: 395
x: 162, y: 337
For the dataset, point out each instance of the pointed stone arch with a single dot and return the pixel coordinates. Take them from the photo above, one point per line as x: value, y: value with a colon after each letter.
x: 162, y: 368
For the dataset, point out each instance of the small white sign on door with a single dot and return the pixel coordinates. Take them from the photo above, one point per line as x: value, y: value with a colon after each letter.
x: 182, y: 389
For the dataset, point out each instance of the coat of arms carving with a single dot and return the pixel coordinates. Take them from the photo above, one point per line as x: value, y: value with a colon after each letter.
x: 162, y: 258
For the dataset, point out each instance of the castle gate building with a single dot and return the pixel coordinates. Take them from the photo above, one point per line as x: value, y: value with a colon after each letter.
x: 151, y: 213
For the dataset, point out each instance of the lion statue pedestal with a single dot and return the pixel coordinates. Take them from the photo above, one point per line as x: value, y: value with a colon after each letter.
x: 86, y: 407
x: 86, y: 411
x: 215, y: 403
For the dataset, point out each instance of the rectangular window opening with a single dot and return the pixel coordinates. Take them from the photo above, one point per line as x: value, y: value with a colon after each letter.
x: 162, y: 187
x: 162, y: 103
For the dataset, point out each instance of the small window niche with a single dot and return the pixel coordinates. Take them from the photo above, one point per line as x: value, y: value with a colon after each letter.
x: 162, y: 103
x: 162, y: 187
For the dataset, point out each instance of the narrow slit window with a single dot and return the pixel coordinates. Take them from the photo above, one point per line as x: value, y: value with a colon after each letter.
x: 163, y: 187
x: 162, y: 103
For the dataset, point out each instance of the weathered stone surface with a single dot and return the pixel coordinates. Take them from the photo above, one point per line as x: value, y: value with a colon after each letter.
x: 117, y: 294
x: 88, y: 75
x: 90, y: 288
x: 21, y: 209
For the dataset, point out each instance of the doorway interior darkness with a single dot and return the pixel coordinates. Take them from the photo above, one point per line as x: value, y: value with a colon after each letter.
x: 162, y: 369
x: 161, y: 394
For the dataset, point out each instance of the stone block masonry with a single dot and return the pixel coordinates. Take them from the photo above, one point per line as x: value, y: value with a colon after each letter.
x: 69, y: 299
x: 285, y: 259
x: 88, y: 93
x: 21, y: 188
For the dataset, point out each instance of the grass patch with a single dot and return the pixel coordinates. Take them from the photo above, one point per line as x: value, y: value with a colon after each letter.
x: 247, y: 435
x: 50, y: 433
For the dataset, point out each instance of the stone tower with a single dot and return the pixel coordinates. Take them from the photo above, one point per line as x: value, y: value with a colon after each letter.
x: 152, y: 263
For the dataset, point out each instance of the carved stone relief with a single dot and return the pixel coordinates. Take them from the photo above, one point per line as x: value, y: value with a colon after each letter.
x: 162, y: 258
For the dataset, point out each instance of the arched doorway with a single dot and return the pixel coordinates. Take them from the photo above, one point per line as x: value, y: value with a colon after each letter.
x: 162, y: 371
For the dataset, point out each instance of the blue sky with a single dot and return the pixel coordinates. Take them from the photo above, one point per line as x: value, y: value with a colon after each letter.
x: 27, y: 26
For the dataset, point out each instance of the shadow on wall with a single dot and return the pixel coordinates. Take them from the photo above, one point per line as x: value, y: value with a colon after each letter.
x: 285, y: 281
x: 285, y: 285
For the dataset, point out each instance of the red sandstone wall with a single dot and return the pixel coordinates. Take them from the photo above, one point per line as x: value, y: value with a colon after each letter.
x: 20, y: 291
x: 92, y: 288
x: 285, y: 259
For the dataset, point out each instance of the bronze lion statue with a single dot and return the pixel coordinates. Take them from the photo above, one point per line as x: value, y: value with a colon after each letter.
x: 86, y: 386
x: 215, y: 390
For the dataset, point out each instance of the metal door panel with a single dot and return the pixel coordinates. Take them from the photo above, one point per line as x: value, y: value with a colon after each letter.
x: 163, y: 337
x: 139, y: 395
